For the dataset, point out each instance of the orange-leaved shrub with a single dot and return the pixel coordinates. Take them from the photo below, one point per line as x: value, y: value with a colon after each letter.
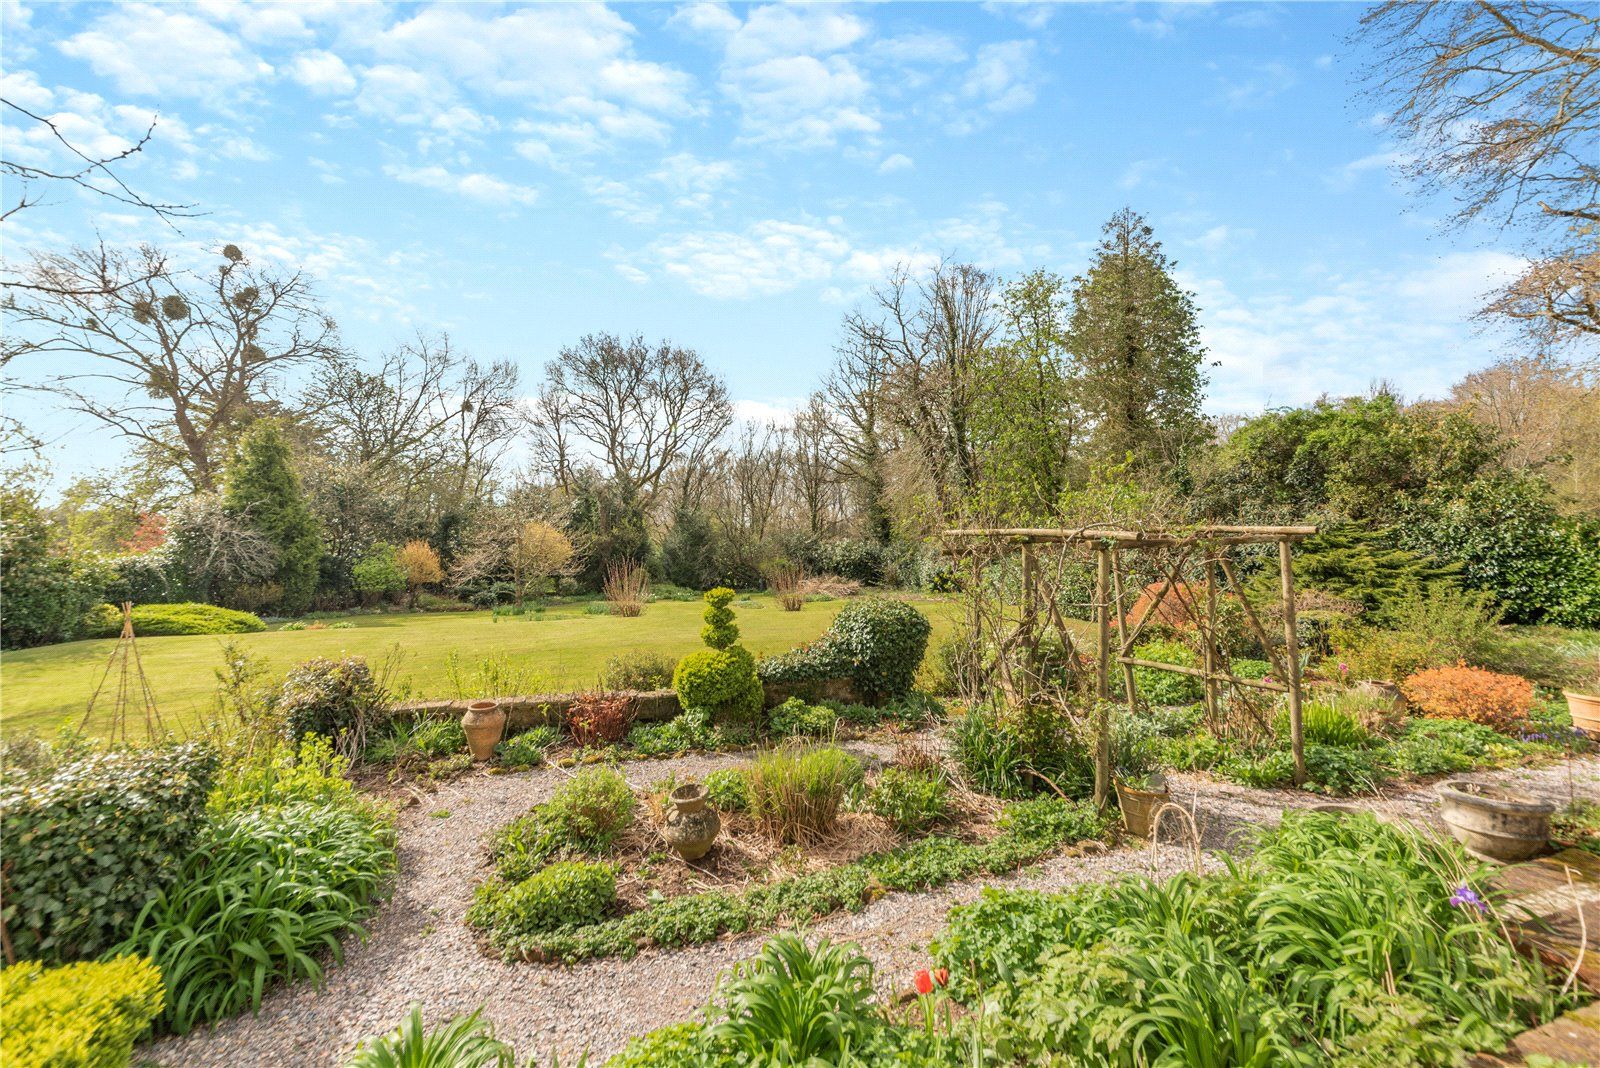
x: 1461, y: 692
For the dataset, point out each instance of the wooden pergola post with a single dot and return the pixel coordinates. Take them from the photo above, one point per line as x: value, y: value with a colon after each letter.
x: 1208, y: 652
x: 1102, y: 678
x: 1291, y: 656
x: 1030, y: 609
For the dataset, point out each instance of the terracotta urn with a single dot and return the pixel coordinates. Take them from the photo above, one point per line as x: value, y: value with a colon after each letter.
x: 691, y: 827
x: 484, y: 723
x: 1493, y: 823
x: 1139, y: 803
x: 1585, y: 709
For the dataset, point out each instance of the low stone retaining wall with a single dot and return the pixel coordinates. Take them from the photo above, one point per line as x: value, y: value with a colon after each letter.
x: 649, y: 706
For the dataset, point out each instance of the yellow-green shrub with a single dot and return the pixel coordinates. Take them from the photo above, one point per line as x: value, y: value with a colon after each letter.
x: 85, y: 1015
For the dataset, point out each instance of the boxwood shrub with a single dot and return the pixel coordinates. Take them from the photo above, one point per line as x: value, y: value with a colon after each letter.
x: 876, y: 642
x: 91, y: 841
x: 167, y: 620
x: 85, y: 1015
x: 329, y: 697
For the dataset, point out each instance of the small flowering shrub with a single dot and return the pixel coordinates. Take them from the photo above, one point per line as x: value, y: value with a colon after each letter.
x: 1501, y: 702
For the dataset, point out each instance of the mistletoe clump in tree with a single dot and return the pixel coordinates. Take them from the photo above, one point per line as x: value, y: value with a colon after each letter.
x: 721, y: 679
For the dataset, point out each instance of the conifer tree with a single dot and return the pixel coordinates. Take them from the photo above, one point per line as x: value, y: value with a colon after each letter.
x: 264, y: 491
x: 1138, y: 364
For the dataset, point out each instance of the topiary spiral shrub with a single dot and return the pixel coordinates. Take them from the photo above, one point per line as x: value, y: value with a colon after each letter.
x: 85, y: 1015
x: 88, y: 843
x: 721, y: 678
x: 875, y: 642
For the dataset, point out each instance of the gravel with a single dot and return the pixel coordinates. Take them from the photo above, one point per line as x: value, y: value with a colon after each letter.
x: 420, y: 951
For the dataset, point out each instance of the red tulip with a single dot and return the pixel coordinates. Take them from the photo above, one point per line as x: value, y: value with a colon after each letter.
x: 924, y: 982
x: 942, y: 976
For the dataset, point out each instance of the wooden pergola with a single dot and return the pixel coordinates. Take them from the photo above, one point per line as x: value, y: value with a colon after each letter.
x: 1211, y: 544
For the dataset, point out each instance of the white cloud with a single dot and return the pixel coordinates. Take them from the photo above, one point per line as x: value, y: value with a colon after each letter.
x: 1001, y: 78
x: 485, y: 188
x: 767, y: 258
x: 1258, y: 87
x: 1336, y: 332
x: 322, y: 72
x: 897, y: 162
x: 765, y: 413
x: 157, y: 50
x: 1346, y: 177
x: 1035, y: 16
x: 1219, y: 237
x: 712, y: 21
x: 625, y: 203
x: 1139, y: 172
x: 684, y: 173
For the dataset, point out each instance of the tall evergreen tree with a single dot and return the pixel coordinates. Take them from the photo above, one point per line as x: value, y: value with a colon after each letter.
x: 264, y: 491
x: 1138, y: 362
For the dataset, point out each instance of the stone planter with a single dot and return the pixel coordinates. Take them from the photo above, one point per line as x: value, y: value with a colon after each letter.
x: 1585, y: 709
x: 1494, y: 824
x: 691, y: 828
x: 1139, y: 804
x: 484, y: 722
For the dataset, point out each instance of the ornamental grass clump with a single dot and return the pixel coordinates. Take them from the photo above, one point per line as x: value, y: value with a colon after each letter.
x: 1500, y: 702
x: 795, y: 791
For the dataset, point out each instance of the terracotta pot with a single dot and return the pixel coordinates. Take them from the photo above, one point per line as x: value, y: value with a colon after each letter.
x: 484, y: 722
x: 1495, y: 824
x: 1585, y: 709
x: 691, y: 827
x: 1139, y: 805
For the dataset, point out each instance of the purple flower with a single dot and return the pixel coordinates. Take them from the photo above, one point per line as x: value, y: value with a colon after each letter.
x: 1465, y: 896
x: 1344, y: 669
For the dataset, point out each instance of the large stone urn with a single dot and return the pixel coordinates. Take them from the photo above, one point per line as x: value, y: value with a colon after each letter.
x: 691, y: 827
x: 484, y: 722
x: 1493, y: 823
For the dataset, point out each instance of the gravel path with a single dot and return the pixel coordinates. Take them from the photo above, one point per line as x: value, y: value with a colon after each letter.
x: 420, y: 950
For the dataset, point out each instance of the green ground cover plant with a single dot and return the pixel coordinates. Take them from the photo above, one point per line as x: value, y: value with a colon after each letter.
x: 1340, y: 939
x: 582, y: 818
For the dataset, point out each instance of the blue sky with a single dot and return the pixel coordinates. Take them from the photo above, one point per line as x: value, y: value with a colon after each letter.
x: 735, y: 177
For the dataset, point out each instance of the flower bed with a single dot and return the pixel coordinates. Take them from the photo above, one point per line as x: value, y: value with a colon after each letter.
x: 593, y: 845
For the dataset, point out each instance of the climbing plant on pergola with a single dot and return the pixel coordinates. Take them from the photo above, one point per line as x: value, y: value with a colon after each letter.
x: 1172, y: 549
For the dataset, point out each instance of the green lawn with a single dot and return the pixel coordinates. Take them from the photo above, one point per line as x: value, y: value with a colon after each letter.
x: 563, y: 649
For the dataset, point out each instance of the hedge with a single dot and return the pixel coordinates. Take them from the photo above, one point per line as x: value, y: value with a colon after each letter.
x: 167, y: 620
x: 876, y: 642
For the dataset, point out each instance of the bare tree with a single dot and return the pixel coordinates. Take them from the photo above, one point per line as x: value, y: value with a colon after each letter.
x: 548, y: 422
x: 643, y: 409
x: 929, y: 337
x: 395, y: 411
x: 855, y: 397
x: 815, y: 465
x: 176, y: 361
x: 216, y: 549
x: 93, y: 174
x: 1500, y: 103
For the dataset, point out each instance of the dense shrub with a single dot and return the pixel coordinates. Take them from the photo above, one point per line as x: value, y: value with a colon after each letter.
x: 143, y: 578
x: 1507, y: 534
x: 378, y: 573
x: 47, y: 594
x: 639, y: 669
x: 912, y: 800
x: 568, y: 893
x: 273, y: 773
x: 851, y: 558
x: 1500, y: 702
x: 90, y: 842
x: 795, y: 717
x: 166, y: 620
x: 875, y: 642
x: 795, y: 791
x: 1166, y: 687
x: 261, y: 895
x: 330, y: 697
x: 85, y: 1015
